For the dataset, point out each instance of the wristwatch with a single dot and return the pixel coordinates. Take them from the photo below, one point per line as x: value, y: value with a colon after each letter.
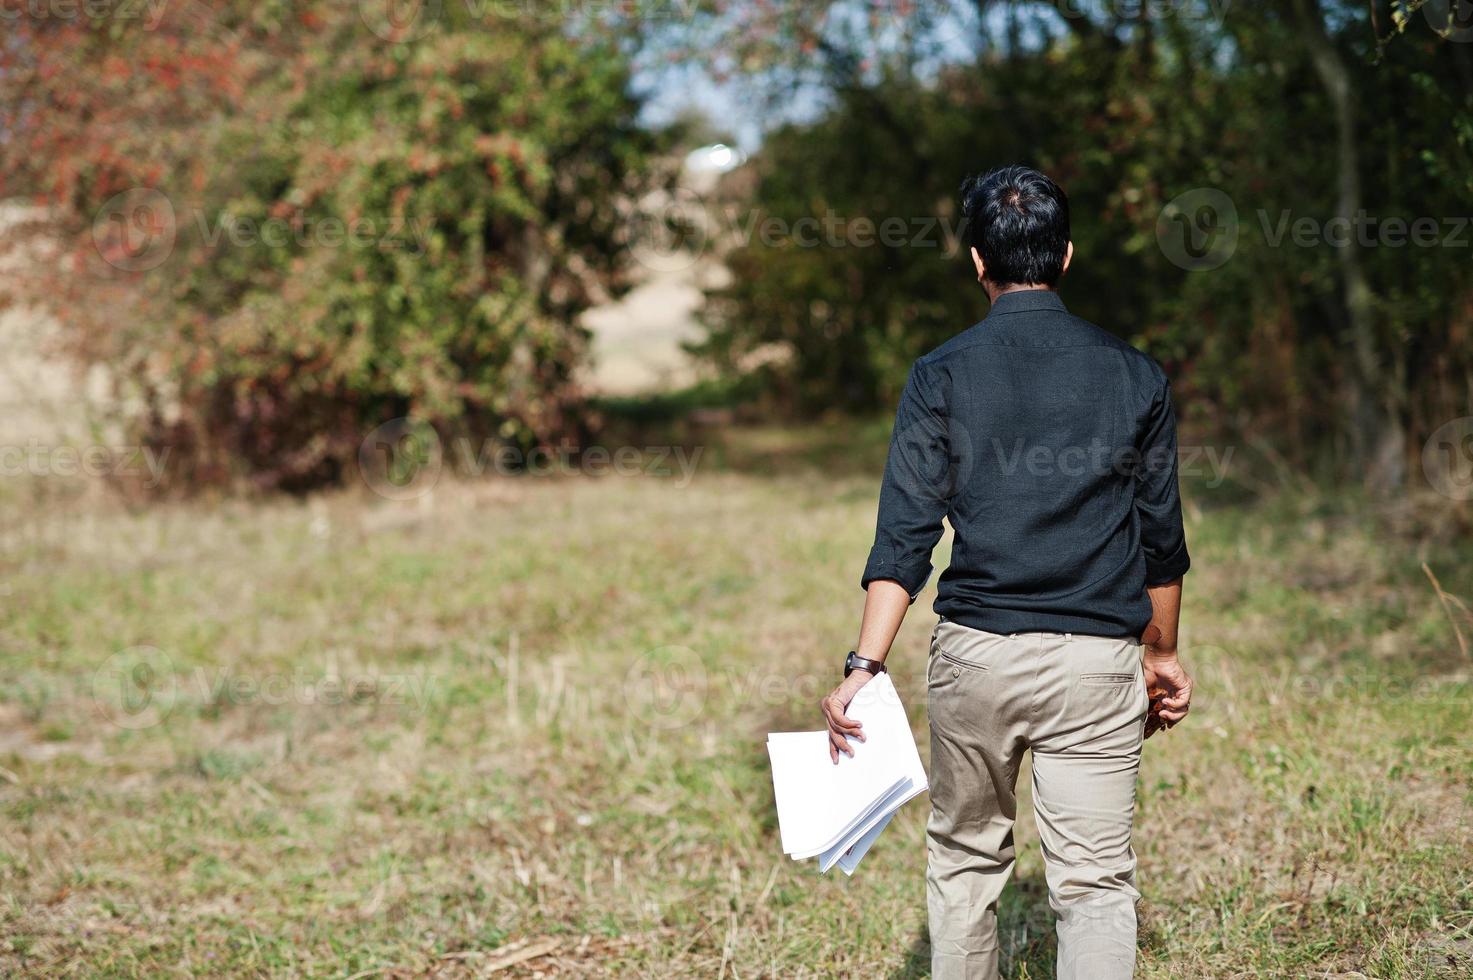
x: 855, y: 662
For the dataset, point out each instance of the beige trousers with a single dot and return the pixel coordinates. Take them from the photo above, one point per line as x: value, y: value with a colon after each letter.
x: 1079, y: 704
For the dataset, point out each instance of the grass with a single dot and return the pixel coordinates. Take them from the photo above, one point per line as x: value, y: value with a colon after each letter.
x: 503, y: 725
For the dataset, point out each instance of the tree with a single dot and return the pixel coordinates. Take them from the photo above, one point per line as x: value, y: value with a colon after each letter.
x: 1292, y: 144
x: 285, y: 225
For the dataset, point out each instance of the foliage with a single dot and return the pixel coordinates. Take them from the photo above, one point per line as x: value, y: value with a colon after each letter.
x: 335, y: 228
x: 1131, y: 113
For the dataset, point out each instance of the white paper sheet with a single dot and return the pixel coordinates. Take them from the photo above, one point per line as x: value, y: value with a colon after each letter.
x: 819, y: 803
x: 849, y: 860
x: 835, y: 812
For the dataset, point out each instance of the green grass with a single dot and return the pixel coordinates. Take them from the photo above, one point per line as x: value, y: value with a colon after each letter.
x: 415, y: 738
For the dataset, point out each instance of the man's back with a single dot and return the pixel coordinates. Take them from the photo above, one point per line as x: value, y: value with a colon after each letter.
x: 1050, y: 445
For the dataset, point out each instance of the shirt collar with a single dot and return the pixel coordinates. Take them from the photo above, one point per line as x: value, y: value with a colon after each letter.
x: 1026, y: 301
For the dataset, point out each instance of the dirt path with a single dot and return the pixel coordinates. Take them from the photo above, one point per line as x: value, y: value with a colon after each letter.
x: 637, y: 341
x: 42, y: 398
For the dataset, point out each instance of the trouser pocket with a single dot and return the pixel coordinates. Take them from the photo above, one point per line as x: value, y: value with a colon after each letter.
x: 1107, y: 679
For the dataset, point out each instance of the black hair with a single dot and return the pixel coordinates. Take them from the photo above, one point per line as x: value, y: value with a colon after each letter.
x: 1018, y: 221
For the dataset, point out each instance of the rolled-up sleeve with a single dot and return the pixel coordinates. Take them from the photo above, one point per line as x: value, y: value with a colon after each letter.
x: 916, y: 490
x: 1157, y: 497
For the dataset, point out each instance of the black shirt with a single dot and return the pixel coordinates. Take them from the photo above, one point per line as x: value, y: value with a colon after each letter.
x: 1050, y: 447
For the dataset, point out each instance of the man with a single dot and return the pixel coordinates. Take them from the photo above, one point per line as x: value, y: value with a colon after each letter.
x: 1050, y: 447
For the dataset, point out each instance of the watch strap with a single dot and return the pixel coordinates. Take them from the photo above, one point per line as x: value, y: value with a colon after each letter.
x: 855, y: 662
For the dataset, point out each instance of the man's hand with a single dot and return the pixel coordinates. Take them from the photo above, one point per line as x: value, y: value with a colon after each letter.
x: 833, y: 707
x: 1167, y: 683
x: 1170, y: 688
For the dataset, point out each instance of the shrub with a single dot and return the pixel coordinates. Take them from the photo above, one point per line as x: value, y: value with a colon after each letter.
x: 286, y: 229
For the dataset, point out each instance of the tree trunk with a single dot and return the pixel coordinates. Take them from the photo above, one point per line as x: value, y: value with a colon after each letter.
x: 1378, y: 428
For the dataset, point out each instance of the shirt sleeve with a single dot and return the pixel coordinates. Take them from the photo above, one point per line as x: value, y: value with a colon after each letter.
x: 916, y: 491
x: 1157, y: 496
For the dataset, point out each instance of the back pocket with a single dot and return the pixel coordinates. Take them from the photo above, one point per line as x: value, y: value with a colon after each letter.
x: 956, y: 661
x: 1106, y: 680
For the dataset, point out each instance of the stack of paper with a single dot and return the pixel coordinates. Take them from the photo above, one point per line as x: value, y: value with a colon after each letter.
x: 835, y: 812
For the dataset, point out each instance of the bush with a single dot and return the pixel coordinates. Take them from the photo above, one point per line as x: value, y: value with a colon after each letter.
x: 321, y: 229
x: 1352, y: 354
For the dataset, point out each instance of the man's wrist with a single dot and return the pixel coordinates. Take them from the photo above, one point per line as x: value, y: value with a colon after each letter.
x: 856, y: 661
x: 1158, y: 652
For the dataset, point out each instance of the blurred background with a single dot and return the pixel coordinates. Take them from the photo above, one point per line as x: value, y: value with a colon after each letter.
x: 417, y: 410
